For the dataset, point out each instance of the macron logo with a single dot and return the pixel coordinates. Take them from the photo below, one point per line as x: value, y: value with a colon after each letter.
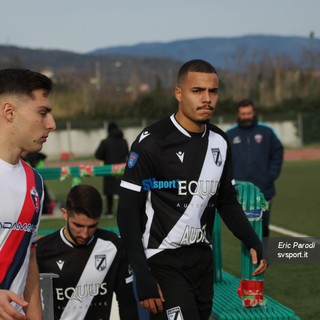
x: 60, y: 264
x: 144, y: 135
x: 180, y: 155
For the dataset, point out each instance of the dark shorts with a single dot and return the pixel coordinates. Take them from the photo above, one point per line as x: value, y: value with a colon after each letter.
x: 185, y: 276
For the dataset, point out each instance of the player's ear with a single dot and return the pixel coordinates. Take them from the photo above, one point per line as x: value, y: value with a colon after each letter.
x: 8, y: 111
x: 64, y: 213
x: 177, y: 92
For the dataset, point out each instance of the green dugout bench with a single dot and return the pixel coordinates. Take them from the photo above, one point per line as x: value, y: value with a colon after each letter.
x: 227, y: 303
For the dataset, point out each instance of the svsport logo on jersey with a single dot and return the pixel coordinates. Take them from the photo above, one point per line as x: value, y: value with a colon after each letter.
x: 133, y: 157
x: 155, y: 184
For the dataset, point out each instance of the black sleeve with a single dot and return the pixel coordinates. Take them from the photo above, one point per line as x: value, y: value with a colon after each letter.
x: 130, y: 208
x: 128, y: 309
x: 236, y: 220
x: 276, y: 157
x: 232, y: 213
x: 100, y: 152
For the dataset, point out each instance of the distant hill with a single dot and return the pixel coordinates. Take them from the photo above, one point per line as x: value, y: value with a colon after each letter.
x: 111, y: 68
x: 226, y: 53
x: 232, y: 54
x: 108, y: 80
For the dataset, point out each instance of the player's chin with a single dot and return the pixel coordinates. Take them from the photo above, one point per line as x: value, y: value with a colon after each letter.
x: 34, y: 148
x: 81, y: 242
x: 203, y: 120
x: 205, y: 117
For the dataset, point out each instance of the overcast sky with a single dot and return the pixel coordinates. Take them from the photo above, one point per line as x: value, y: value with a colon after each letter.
x: 85, y: 25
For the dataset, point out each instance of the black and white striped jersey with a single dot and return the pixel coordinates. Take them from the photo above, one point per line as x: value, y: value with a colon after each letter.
x: 88, y: 276
x: 185, y: 177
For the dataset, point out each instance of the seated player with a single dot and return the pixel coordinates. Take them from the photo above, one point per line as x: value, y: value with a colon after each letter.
x: 91, y: 262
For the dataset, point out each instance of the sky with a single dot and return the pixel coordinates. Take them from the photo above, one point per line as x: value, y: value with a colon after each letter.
x: 85, y: 25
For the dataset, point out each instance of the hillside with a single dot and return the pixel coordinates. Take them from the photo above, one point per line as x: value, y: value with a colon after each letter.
x: 231, y: 54
x: 224, y: 53
x: 125, y: 81
x: 76, y: 68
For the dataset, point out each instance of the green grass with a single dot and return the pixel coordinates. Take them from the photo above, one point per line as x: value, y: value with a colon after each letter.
x: 60, y: 190
x: 57, y: 223
x: 293, y: 285
x: 295, y: 207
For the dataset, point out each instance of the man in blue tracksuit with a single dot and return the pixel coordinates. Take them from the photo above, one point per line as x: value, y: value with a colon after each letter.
x: 257, y: 153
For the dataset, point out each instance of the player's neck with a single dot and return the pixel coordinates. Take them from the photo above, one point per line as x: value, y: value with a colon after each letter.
x: 189, y: 124
x: 67, y: 235
x: 9, y: 154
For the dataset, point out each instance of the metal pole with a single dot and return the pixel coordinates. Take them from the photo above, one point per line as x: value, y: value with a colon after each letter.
x: 300, y: 128
x: 47, y: 294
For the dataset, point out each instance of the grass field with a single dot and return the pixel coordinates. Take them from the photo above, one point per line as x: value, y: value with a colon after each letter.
x: 296, y: 208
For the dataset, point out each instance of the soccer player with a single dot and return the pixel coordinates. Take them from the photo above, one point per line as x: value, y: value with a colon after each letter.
x: 25, y: 123
x: 91, y: 263
x: 178, y: 172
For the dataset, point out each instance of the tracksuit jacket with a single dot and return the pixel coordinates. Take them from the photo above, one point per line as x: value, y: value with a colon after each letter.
x: 257, y: 155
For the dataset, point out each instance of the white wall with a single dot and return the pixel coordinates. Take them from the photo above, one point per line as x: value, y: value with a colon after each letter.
x: 286, y: 131
x: 84, y: 143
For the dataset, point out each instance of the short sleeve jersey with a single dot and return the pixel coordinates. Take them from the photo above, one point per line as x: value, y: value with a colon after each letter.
x: 181, y: 174
x: 88, y: 276
x: 21, y: 190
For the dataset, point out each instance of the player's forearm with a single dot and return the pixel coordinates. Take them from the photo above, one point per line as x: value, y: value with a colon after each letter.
x: 128, y: 307
x: 129, y: 222
x: 237, y: 222
x: 32, y: 290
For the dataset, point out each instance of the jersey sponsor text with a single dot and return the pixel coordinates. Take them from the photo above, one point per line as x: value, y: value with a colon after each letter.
x: 155, y: 184
x: 17, y: 226
x: 201, y: 188
x: 81, y: 292
x: 193, y: 235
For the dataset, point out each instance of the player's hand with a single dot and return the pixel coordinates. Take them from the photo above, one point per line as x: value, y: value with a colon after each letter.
x: 154, y: 305
x: 262, y: 266
x: 7, y: 311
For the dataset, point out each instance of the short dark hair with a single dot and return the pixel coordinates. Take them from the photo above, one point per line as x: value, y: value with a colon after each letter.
x: 23, y: 82
x: 245, y: 103
x: 84, y: 199
x: 196, y: 65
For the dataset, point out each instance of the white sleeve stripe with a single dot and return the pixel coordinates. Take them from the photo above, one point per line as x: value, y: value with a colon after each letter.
x: 130, y: 186
x: 129, y: 279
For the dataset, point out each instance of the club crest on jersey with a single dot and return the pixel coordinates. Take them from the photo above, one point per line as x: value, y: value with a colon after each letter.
x: 258, y: 138
x: 100, y: 262
x: 35, y: 198
x: 217, y: 156
x: 133, y: 157
x: 174, y: 314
